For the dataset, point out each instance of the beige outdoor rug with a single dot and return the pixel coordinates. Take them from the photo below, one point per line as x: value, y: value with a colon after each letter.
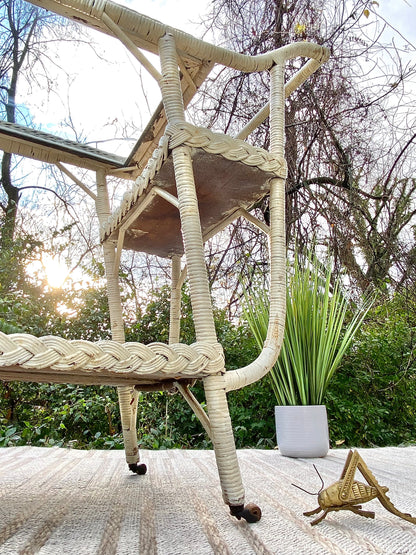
x: 61, y: 501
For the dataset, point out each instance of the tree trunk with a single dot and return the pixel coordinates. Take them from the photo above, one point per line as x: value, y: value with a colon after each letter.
x: 10, y: 210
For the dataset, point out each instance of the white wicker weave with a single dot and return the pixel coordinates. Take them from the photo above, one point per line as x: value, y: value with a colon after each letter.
x: 134, y: 366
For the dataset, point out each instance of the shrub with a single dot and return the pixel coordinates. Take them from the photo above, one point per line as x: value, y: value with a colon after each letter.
x: 372, y: 399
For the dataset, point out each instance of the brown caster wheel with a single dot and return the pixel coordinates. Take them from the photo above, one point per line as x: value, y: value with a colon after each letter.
x: 250, y: 512
x: 138, y: 468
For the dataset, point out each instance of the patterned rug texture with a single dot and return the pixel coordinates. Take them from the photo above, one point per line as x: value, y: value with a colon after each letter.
x: 64, y: 501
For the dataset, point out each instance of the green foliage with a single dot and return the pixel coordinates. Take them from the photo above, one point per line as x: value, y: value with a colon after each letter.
x: 82, y: 314
x: 252, y: 415
x: 372, y: 400
x: 153, y: 325
x: 316, y: 333
x: 13, y: 261
x: 50, y: 414
x: 24, y: 304
x: 165, y: 420
x: 43, y: 414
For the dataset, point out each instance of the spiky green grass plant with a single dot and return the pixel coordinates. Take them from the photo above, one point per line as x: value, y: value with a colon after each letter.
x: 316, y: 332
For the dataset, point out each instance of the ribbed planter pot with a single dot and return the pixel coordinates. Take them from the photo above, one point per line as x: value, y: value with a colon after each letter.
x: 302, y: 431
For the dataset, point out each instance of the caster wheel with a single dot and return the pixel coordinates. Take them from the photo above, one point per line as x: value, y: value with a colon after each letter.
x: 250, y: 512
x: 140, y: 468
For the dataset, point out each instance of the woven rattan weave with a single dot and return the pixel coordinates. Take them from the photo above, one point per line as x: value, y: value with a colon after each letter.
x: 187, y: 183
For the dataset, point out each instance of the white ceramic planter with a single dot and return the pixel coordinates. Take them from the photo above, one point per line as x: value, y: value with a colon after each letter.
x: 302, y: 431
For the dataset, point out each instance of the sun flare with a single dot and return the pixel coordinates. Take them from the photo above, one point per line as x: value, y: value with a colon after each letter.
x: 56, y: 271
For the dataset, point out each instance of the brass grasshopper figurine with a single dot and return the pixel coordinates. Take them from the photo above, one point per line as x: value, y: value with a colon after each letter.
x: 347, y: 494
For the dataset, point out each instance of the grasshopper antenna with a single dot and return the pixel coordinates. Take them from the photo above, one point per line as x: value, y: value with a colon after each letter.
x: 308, y: 492
x: 320, y: 477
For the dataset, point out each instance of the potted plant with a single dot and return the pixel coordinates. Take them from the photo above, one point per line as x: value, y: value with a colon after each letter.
x: 316, y: 338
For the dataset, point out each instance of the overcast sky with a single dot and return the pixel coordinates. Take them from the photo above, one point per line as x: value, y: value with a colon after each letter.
x: 401, y: 14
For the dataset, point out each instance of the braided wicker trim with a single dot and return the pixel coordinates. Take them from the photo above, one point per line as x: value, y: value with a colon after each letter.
x: 112, y: 358
x: 230, y: 148
x: 130, y: 197
x: 184, y: 133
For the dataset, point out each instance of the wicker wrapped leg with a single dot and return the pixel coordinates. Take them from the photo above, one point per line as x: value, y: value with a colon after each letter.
x: 225, y: 452
x: 128, y: 399
x: 127, y: 396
